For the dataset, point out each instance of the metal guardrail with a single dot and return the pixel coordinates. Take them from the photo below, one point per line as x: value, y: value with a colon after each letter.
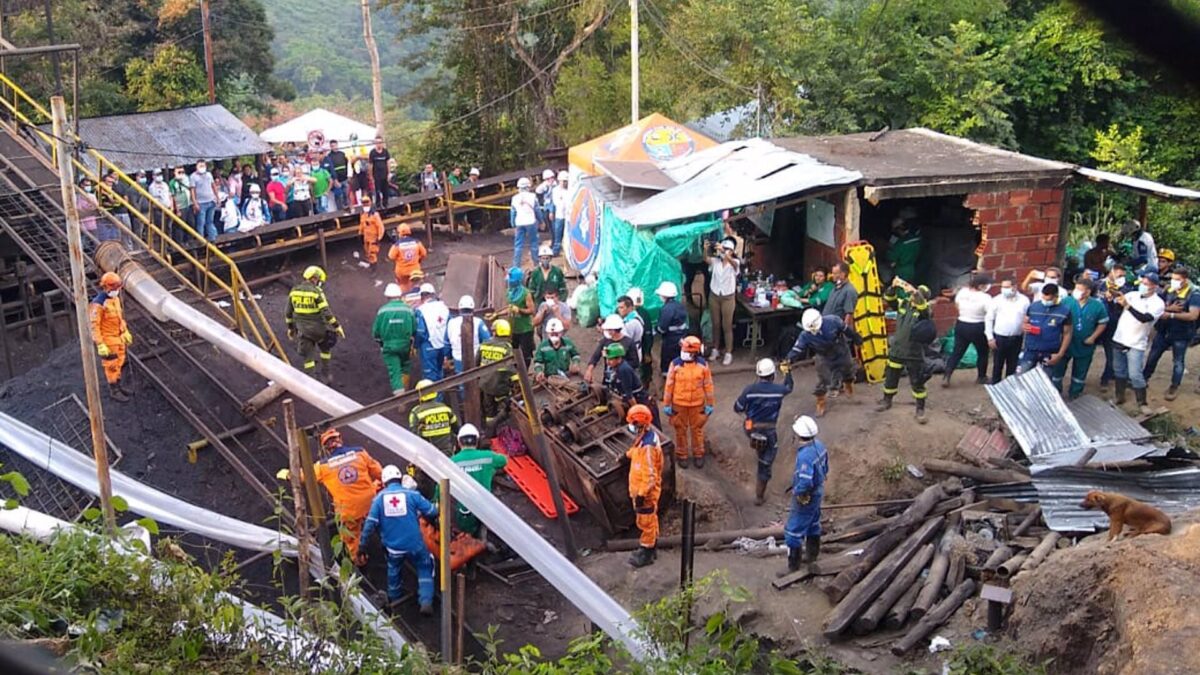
x: 247, y: 316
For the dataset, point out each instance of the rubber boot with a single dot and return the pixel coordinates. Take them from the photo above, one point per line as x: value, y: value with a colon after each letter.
x: 643, y: 556
x: 793, y: 562
x: 683, y: 462
x: 427, y: 609
x: 885, y: 403
x: 1119, y: 398
x: 812, y: 549
x: 921, y: 411
x: 1172, y: 392
x: 1143, y: 406
x: 123, y: 389
x: 849, y: 387
x: 115, y: 393
x: 820, y: 405
x: 698, y: 460
x: 760, y: 492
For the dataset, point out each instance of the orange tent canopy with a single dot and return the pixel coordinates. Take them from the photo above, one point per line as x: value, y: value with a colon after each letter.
x: 653, y: 138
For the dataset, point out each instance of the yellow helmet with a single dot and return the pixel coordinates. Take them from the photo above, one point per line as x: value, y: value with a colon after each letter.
x: 314, y: 273
x: 502, y: 328
x: 423, y: 390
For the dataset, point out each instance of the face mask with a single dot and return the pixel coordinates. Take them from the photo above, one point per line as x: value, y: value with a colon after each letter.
x: 1144, y: 289
x: 366, y: 209
x: 632, y: 428
x: 687, y: 356
x: 114, y: 294
x: 545, y: 264
x: 1052, y: 280
x: 1008, y: 292
x: 555, y: 340
x: 89, y: 189
x: 142, y: 180
x: 178, y: 176
x: 158, y: 179
x: 314, y: 167
x: 201, y: 169
x: 1077, y: 294
x: 613, y: 335
x: 1049, y: 303
x: 1176, y: 284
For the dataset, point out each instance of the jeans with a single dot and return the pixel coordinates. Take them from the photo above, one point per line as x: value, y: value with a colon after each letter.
x: 1129, y: 364
x: 423, y: 562
x: 966, y: 334
x: 1178, y: 351
x: 557, y: 235
x: 1031, y: 359
x: 525, y: 238
x: 1006, y: 356
x: 204, y: 220
x: 278, y: 213
x: 339, y: 196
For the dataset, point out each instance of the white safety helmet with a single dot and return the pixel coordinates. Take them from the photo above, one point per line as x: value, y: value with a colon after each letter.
x: 805, y: 427
x: 667, y: 289
x: 544, y: 251
x: 523, y: 183
x: 613, y: 322
x: 391, y: 472
x: 554, y: 327
x: 764, y: 368
x: 393, y: 291
x: 811, y: 320
x: 474, y: 171
x: 466, y: 302
x: 547, y: 174
x: 635, y: 294
x: 563, y: 175
x: 468, y: 431
x: 428, y: 289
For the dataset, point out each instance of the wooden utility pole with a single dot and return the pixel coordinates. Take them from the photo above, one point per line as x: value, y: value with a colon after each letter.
x: 376, y: 75
x: 635, y: 84
x: 91, y: 382
x: 445, y: 513
x: 299, y: 507
x: 208, y: 51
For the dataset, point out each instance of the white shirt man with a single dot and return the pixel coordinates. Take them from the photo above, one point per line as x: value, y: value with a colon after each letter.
x: 559, y: 197
x: 1133, y: 332
x: 1006, y: 314
x: 524, y: 206
x: 454, y: 337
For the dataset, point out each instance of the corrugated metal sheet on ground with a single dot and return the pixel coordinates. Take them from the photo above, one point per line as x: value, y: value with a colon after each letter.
x: 1102, y: 421
x: 1060, y: 491
x: 735, y: 174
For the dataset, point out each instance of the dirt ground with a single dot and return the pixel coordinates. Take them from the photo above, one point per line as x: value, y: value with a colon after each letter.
x: 867, y: 454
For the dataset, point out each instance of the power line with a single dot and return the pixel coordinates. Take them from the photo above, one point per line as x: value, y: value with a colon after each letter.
x: 659, y: 23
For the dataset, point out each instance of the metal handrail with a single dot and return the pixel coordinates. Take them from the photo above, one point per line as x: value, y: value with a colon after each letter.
x: 243, y: 318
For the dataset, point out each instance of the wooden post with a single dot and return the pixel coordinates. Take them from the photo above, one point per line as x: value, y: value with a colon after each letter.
x: 316, y: 505
x: 445, y: 514
x: 935, y: 618
x: 321, y: 247
x: 66, y: 180
x: 4, y: 342
x: 460, y: 611
x: 428, y: 227
x: 448, y: 190
x: 471, y: 405
x: 544, y: 458
x: 1143, y: 207
x: 296, y: 470
x: 48, y: 315
x: 206, y: 27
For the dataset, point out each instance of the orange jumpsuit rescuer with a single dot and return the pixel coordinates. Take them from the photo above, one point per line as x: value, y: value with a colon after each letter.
x: 110, y: 333
x: 406, y: 255
x: 370, y: 226
x: 352, y: 478
x: 645, y: 481
x: 688, y: 400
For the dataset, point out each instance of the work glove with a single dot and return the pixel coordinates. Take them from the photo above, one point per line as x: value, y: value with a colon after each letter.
x: 708, y: 410
x: 341, y: 332
x: 127, y: 337
x: 668, y: 411
x: 103, y: 350
x: 291, y: 332
x: 598, y: 410
x: 283, y: 474
x: 804, y: 499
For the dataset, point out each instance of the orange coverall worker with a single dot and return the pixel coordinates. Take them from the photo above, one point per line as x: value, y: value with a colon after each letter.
x: 688, y: 401
x: 109, y: 330
x: 645, y: 483
x: 370, y: 226
x: 352, y: 478
x: 406, y: 254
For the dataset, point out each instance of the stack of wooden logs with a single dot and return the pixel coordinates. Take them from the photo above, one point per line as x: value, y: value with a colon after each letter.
x: 918, y: 568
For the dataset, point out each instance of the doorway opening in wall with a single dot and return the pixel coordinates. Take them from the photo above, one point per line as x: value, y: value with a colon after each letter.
x: 932, y: 239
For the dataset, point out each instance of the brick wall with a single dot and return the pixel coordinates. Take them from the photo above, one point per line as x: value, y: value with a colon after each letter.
x: 1022, y: 229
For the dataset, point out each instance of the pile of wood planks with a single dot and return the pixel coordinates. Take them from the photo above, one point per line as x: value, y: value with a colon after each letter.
x: 919, y: 566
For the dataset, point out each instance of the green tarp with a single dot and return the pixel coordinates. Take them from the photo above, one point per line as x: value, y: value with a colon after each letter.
x: 643, y: 258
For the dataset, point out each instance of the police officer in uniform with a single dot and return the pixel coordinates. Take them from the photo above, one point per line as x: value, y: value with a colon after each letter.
x: 311, y: 323
x: 497, y: 386
x: 433, y: 420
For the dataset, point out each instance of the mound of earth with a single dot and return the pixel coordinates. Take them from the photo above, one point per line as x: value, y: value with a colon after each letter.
x: 1126, y: 607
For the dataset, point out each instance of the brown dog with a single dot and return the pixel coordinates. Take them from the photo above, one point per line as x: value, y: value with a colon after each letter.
x: 1122, y: 511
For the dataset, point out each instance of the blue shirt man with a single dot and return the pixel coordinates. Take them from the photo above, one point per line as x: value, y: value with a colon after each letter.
x: 760, y: 403
x: 395, y: 512
x: 672, y: 324
x: 808, y: 488
x: 1176, y: 328
x: 829, y: 338
x: 1048, y: 329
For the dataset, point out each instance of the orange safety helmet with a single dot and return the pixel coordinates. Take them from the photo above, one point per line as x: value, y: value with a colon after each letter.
x: 110, y: 281
x: 691, y: 344
x: 640, y: 415
x: 405, y: 230
x: 329, y: 437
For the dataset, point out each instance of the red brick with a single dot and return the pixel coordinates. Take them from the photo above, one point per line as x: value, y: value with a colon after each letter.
x: 998, y: 230
x: 977, y: 200
x: 1020, y: 197
x: 1004, y: 245
x: 1009, y: 214
x: 1029, y: 212
x: 988, y: 215
x: 1052, y: 211
x: 1047, y: 196
x: 1041, y: 256
x: 1027, y: 244
x: 1015, y: 260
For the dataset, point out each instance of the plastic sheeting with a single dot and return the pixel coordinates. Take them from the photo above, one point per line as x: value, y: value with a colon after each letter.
x: 631, y: 257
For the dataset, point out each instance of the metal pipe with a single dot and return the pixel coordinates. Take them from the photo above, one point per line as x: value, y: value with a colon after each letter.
x: 580, y: 590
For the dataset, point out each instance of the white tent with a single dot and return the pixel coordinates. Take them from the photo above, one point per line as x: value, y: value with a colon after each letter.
x: 335, y: 127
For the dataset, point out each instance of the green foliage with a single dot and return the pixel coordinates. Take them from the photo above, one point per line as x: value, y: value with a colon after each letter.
x: 172, y: 80
x: 979, y: 659
x: 1124, y: 153
x: 893, y: 471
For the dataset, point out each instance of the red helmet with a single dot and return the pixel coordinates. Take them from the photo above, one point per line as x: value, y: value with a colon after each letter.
x: 110, y: 281
x: 640, y: 415
x: 691, y: 344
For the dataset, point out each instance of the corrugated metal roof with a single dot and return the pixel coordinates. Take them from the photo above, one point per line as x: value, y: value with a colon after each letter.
x: 1138, y: 184
x: 1060, y: 491
x: 1048, y: 431
x: 1103, y: 421
x: 732, y: 175
x: 145, y: 141
x: 645, y: 175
